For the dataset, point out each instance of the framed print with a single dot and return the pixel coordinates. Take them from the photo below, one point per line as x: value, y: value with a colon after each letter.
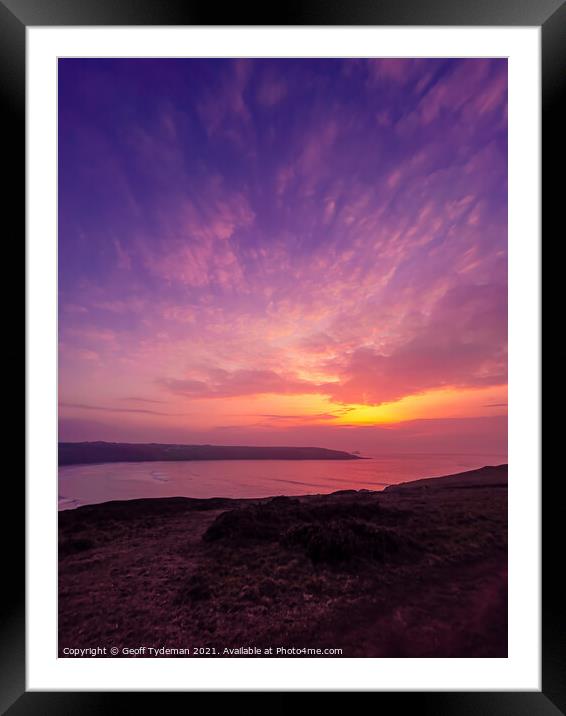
x: 283, y: 327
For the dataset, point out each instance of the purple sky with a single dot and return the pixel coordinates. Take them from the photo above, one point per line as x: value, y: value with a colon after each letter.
x: 284, y: 251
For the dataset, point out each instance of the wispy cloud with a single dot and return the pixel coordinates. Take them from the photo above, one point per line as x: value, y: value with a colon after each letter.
x: 221, y: 383
x: 262, y: 230
x: 106, y: 409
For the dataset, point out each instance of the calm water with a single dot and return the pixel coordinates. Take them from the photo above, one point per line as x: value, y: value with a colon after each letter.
x: 90, y: 484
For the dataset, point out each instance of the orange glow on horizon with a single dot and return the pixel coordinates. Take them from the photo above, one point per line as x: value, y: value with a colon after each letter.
x: 445, y: 403
x: 270, y: 410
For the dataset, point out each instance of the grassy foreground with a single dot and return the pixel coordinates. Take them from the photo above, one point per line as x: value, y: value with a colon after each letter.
x: 400, y: 573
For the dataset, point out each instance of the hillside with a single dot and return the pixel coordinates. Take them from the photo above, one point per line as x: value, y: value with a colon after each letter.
x: 489, y: 476
x: 95, y: 452
x: 409, y: 573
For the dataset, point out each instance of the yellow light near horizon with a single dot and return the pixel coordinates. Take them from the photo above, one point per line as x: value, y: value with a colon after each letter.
x: 446, y: 403
x: 280, y: 411
x: 275, y: 411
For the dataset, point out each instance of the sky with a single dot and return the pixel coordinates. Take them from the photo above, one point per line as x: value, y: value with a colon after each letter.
x: 284, y: 252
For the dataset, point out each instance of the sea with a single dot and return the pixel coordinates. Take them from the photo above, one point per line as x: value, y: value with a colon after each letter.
x: 93, y: 484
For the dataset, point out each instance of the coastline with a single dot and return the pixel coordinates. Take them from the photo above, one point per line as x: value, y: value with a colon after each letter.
x: 91, y: 453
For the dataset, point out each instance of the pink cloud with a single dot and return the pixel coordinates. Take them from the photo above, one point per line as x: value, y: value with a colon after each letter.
x: 224, y: 384
x: 463, y: 344
x: 197, y: 251
x: 399, y: 71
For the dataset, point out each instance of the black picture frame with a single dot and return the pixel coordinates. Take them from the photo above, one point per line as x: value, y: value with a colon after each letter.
x: 15, y: 16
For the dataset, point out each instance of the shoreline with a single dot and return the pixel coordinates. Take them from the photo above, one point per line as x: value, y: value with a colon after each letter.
x: 494, y: 476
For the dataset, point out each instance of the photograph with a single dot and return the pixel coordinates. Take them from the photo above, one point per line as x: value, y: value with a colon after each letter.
x: 282, y: 357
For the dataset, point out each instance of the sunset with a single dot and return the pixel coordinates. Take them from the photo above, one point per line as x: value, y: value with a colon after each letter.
x: 282, y: 358
x: 274, y: 252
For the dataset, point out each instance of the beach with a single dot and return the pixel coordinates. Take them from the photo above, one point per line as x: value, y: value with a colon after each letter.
x: 417, y: 570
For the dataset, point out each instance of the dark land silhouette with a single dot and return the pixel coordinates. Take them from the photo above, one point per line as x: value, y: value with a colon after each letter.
x: 418, y: 570
x: 95, y: 452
